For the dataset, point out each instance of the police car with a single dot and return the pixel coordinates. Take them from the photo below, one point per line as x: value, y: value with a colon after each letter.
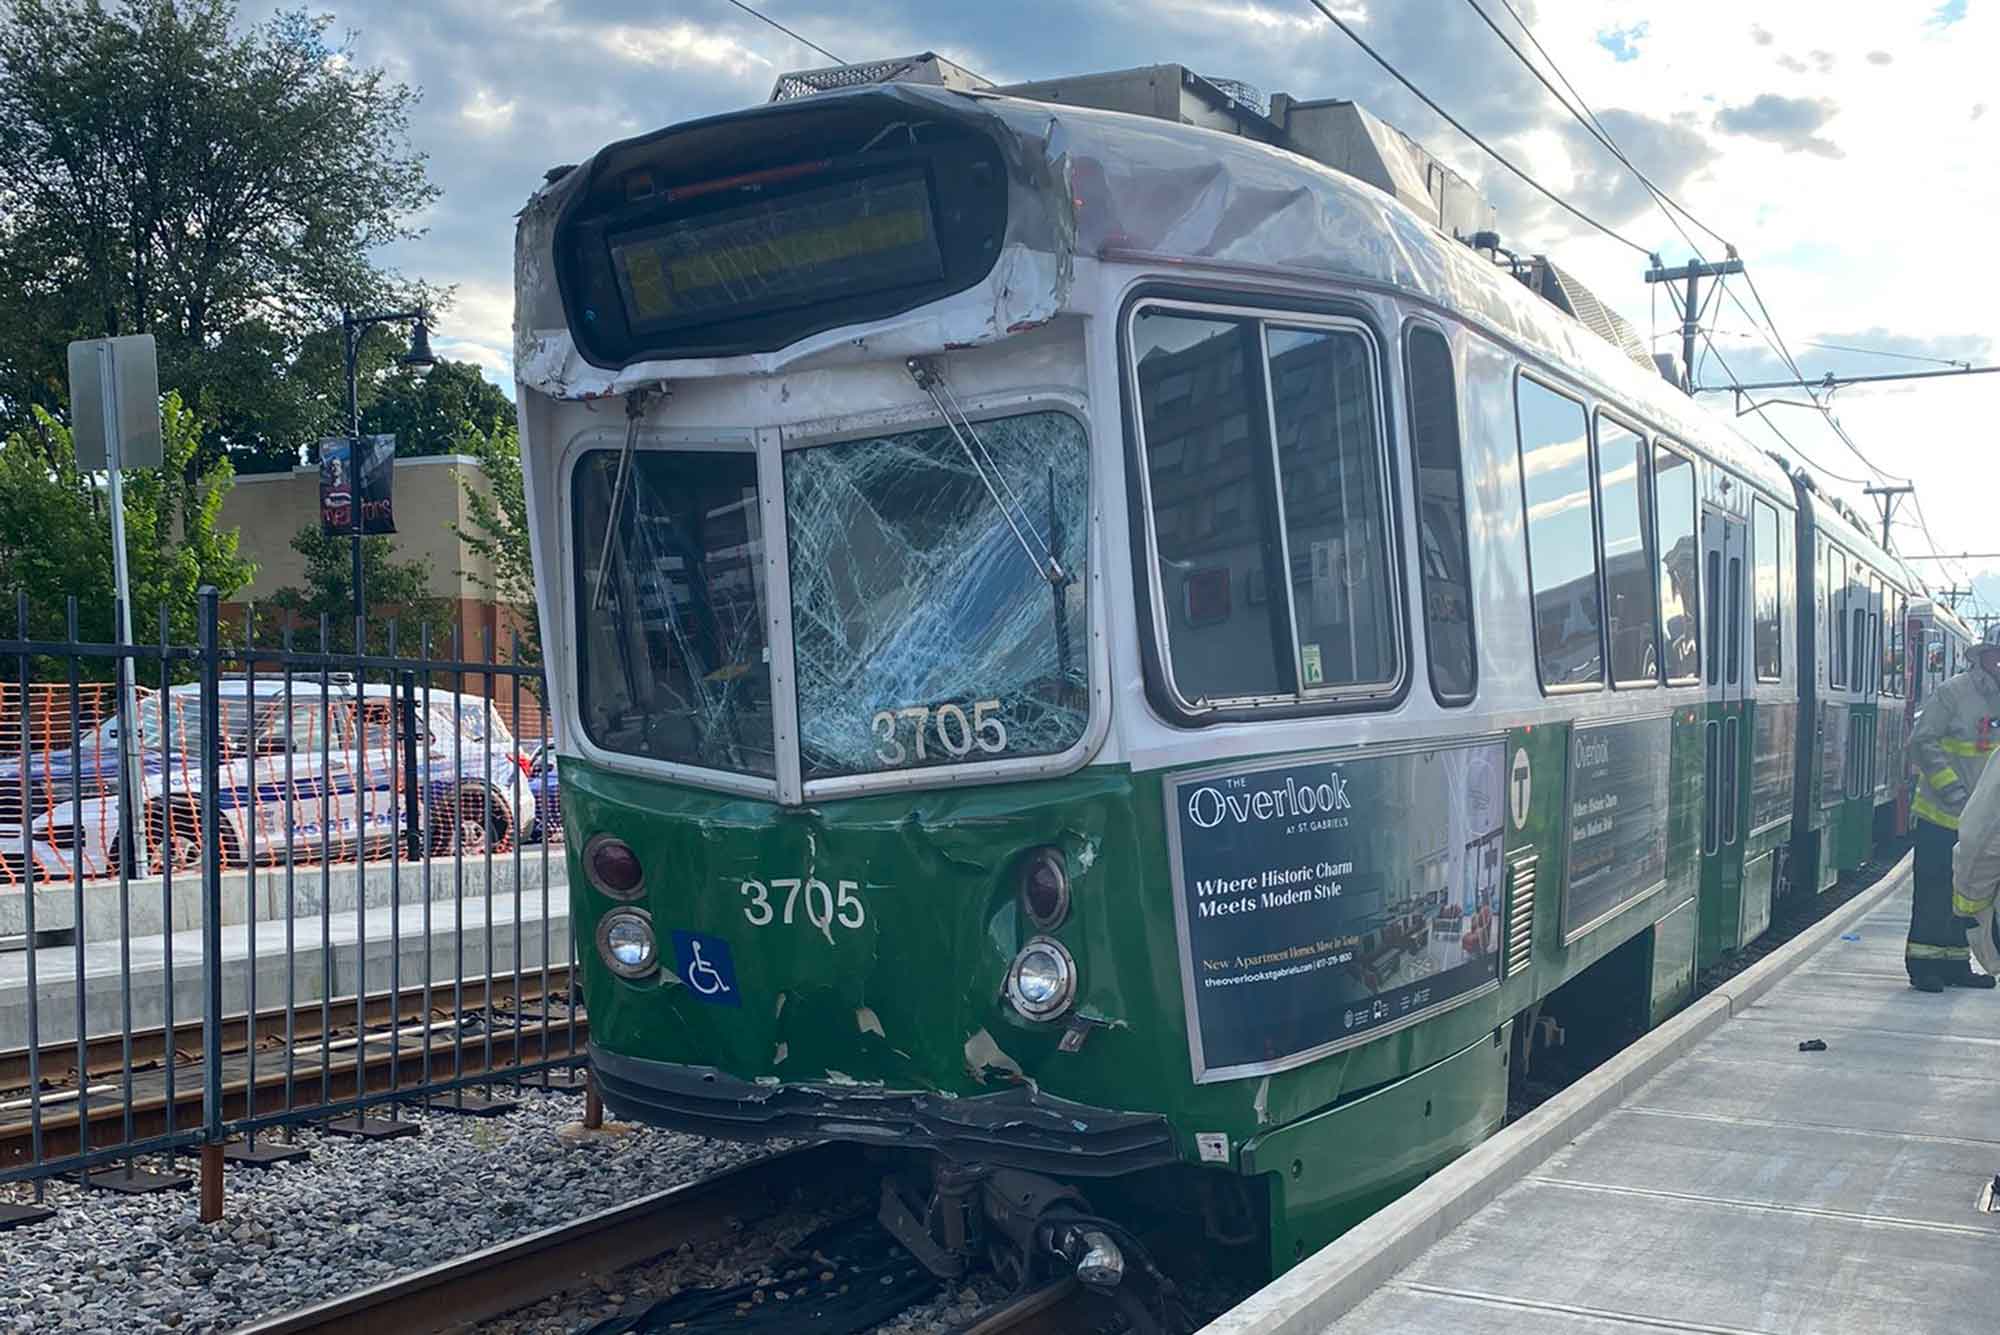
x: 310, y: 772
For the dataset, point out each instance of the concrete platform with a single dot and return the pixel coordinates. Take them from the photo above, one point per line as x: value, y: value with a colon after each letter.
x: 468, y: 938
x: 150, y: 901
x: 1742, y: 1186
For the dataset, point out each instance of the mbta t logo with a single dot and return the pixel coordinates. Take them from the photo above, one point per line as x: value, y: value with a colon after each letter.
x: 1520, y: 787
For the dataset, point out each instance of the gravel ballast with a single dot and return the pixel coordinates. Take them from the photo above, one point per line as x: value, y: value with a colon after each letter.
x: 352, y: 1215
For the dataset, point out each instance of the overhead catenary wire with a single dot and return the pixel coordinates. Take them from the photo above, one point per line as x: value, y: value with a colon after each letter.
x: 1589, y: 119
x: 1776, y: 430
x: 1937, y: 548
x: 1658, y: 193
x: 1883, y: 352
x: 803, y: 41
x: 1768, y: 329
x: 1485, y: 147
x: 1590, y: 122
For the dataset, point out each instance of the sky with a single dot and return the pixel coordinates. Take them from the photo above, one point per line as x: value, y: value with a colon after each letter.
x: 1846, y: 148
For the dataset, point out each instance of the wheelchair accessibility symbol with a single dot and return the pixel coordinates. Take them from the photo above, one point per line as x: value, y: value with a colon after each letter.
x: 704, y: 964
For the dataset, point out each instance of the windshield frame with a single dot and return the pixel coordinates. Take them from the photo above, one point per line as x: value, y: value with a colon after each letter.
x: 579, y: 550
x: 770, y: 445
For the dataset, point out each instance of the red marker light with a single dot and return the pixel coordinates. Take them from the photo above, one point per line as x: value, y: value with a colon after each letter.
x: 1045, y: 888
x: 613, y: 867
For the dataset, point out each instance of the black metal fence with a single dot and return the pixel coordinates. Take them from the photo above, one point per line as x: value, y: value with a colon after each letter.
x: 256, y: 886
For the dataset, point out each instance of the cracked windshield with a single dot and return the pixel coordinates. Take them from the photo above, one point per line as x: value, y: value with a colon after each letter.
x: 672, y: 659
x: 929, y: 627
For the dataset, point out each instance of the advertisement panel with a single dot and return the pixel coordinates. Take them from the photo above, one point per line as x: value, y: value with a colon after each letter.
x: 1617, y: 819
x: 341, y: 476
x: 1324, y: 902
x: 1833, y: 729
x: 1773, y: 762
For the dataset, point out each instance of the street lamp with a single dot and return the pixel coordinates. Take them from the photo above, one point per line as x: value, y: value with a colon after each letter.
x: 418, y: 359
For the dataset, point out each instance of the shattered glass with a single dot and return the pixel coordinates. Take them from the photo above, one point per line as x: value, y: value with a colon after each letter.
x: 671, y: 655
x: 927, y: 628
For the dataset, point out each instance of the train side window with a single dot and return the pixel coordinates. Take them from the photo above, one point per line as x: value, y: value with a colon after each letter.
x: 1440, y: 485
x: 1680, y: 603
x: 1562, y: 546
x: 1871, y: 636
x: 1631, y: 607
x: 1715, y: 601
x: 1735, y: 619
x: 1223, y: 639
x: 1273, y: 559
x: 1325, y: 419
x: 1836, y: 592
x: 1823, y: 608
x: 1895, y: 666
x: 1788, y: 583
x: 1768, y: 641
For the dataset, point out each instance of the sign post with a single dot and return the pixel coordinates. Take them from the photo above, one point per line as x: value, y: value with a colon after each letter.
x: 114, y: 386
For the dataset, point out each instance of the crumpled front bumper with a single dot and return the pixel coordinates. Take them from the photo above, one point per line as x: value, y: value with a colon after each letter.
x: 1019, y: 1126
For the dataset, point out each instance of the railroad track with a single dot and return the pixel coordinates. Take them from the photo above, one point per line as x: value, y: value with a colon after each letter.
x: 460, y: 1294
x: 321, y: 1059
x: 104, y: 1054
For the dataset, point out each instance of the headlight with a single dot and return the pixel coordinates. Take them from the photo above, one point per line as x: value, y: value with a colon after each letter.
x: 1045, y: 888
x: 612, y: 866
x: 625, y: 940
x: 1042, y: 982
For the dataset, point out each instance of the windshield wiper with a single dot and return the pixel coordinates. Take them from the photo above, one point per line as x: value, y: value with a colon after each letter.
x: 635, y: 410
x: 931, y: 381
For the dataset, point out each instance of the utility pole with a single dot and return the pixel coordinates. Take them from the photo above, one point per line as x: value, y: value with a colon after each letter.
x: 1950, y: 597
x: 1888, y: 497
x: 1691, y: 273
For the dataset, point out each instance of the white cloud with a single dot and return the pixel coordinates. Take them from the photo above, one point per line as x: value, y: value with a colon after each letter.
x: 682, y: 45
x: 1885, y: 237
x: 486, y: 114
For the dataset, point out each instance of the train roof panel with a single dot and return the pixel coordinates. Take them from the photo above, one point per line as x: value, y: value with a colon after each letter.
x: 1105, y: 185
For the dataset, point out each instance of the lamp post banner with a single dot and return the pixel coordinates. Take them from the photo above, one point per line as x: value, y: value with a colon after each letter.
x: 340, y: 477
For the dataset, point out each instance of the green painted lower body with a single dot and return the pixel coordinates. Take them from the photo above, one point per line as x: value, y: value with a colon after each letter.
x: 1326, y: 1173
x: 1674, y: 962
x: 1853, y: 822
x: 909, y: 997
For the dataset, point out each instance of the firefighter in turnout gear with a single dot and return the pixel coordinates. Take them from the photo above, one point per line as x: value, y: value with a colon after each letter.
x: 1956, y: 731
x: 1976, y: 875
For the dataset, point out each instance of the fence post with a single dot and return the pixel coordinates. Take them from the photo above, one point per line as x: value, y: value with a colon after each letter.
x: 211, y: 904
x: 414, y: 780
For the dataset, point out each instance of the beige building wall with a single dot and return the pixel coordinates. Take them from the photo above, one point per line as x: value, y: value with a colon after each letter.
x: 270, y: 508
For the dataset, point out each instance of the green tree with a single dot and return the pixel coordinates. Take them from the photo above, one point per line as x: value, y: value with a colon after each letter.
x: 166, y: 170
x: 498, y: 527
x: 428, y: 413
x: 55, y: 534
x: 394, y: 590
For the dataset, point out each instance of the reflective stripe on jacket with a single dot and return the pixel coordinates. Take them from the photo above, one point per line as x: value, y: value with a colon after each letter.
x: 1976, y: 861
x: 1956, y: 731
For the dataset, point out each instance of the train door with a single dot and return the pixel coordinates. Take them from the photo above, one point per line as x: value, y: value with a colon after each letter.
x: 1855, y: 822
x: 1725, y: 558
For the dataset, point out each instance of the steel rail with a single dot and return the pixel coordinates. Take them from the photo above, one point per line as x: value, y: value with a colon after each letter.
x: 149, y: 1046
x: 460, y: 1293
x: 511, y: 1275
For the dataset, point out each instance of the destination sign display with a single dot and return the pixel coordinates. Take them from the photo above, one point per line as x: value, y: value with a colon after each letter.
x: 1323, y: 903
x: 863, y: 235
x: 1617, y: 818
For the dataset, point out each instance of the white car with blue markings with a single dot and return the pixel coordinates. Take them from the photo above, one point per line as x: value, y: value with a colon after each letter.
x: 328, y: 772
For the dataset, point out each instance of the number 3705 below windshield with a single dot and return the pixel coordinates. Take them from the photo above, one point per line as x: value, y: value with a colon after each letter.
x: 938, y: 609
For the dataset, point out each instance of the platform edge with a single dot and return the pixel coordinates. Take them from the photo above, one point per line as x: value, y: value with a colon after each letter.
x: 1340, y: 1276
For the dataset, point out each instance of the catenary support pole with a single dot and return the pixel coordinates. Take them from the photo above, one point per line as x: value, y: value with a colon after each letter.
x: 1692, y: 273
